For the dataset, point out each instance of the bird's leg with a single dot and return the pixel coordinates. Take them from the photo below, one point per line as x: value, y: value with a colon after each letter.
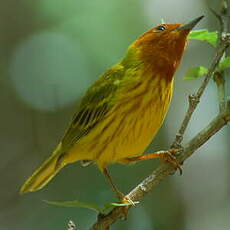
x: 121, y: 197
x: 119, y: 194
x: 166, y: 156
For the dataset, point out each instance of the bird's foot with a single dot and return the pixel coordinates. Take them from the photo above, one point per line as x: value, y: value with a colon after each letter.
x: 126, y: 202
x: 170, y: 157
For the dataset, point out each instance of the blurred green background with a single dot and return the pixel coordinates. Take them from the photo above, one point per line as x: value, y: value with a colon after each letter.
x: 51, y: 51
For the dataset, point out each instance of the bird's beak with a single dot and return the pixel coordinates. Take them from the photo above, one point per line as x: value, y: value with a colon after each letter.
x: 189, y: 25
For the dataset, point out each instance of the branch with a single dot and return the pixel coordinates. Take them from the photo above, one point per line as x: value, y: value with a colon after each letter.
x: 194, y: 99
x: 220, y: 83
x: 137, y: 194
x: 149, y: 183
x: 219, y: 75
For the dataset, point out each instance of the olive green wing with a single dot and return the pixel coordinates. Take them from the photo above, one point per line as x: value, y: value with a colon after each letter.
x: 96, y: 103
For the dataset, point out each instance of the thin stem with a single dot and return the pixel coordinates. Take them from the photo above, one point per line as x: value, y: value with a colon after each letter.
x: 220, y: 83
x: 194, y: 99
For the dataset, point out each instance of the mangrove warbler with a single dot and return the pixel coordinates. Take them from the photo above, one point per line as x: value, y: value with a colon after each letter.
x: 123, y: 110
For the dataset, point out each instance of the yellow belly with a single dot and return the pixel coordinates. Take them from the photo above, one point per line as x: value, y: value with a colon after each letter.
x: 126, y: 132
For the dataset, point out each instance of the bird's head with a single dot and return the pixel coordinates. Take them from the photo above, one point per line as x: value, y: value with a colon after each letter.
x: 164, y: 43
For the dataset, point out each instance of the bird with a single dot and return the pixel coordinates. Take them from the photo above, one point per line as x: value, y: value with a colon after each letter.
x: 121, y: 113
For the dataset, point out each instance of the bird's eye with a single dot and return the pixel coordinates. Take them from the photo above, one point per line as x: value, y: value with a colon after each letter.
x: 160, y: 28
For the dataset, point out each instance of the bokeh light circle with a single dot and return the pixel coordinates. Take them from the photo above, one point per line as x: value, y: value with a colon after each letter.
x: 49, y: 70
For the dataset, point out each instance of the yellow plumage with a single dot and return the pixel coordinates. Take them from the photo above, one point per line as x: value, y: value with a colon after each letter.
x: 125, y: 130
x: 123, y: 110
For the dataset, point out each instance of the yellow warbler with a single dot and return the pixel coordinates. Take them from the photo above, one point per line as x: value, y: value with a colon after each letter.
x: 123, y: 110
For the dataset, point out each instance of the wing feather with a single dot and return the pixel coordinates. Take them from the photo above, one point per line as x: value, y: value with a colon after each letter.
x: 96, y: 103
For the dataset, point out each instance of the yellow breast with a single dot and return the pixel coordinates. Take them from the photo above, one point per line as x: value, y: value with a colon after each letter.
x: 130, y: 125
x: 137, y: 124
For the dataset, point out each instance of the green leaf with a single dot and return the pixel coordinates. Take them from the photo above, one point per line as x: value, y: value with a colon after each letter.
x: 204, y: 35
x: 195, y: 72
x: 224, y: 64
x: 75, y: 203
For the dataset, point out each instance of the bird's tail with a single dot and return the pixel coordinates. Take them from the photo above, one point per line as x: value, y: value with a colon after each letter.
x: 45, y: 173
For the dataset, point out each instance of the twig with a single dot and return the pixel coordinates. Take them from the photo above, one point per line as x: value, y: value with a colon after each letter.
x: 194, y: 99
x: 224, y: 7
x: 220, y: 83
x: 219, y: 75
x: 164, y: 170
x: 105, y: 221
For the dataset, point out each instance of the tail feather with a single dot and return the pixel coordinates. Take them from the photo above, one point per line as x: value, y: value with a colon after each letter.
x: 45, y: 173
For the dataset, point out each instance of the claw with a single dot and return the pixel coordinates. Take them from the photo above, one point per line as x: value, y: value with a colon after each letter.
x: 127, y: 200
x: 130, y: 203
x: 170, y: 157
